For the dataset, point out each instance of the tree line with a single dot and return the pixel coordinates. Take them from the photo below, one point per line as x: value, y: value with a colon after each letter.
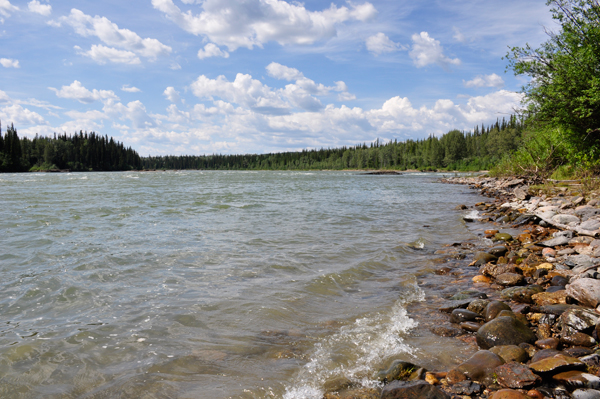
x: 456, y: 150
x: 79, y: 152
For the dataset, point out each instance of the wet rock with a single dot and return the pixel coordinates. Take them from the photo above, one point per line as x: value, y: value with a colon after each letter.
x: 468, y: 294
x: 460, y: 315
x: 560, y: 281
x: 577, y: 379
x: 516, y: 375
x: 482, y: 279
x: 445, y: 331
x: 550, y: 298
x: 556, y: 363
x: 504, y: 331
x: 510, y: 279
x: 466, y: 388
x: 548, y: 343
x: 498, y: 251
x: 544, y: 354
x: 592, y: 360
x: 544, y: 331
x: 530, y: 349
x: 480, y: 367
x: 510, y: 353
x: 451, y: 305
x: 586, y: 291
x: 586, y: 394
x: 578, y: 320
x: 494, y: 308
x: 461, y: 207
x: 470, y: 326
x: 495, y: 270
x: 503, y: 237
x: 478, y: 306
x: 454, y: 377
x: 482, y: 258
x: 399, y: 370
x: 578, y: 339
x: 508, y: 394
x: 411, y: 390
x: 521, y: 294
x: 555, y: 242
x: 578, y: 352
x: 556, y: 309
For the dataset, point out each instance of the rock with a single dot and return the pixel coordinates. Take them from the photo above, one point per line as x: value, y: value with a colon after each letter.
x: 592, y: 360
x: 586, y: 394
x: 555, y: 242
x: 550, y: 298
x: 461, y: 207
x: 521, y: 294
x: 470, y: 326
x: 480, y: 367
x: 544, y: 331
x: 510, y: 353
x: 578, y: 320
x: 590, y: 224
x: 490, y: 233
x: 482, y: 258
x: 565, y: 219
x: 577, y: 379
x: 548, y: 343
x: 556, y: 309
x: 535, y: 394
x: 460, y: 304
x: 494, y: 308
x: 493, y: 270
x: 516, y: 375
x: 478, y: 306
x: 454, y: 377
x: 586, y: 291
x: 498, y: 251
x: 549, y: 252
x: 399, y: 370
x: 530, y: 349
x: 508, y: 394
x: 558, y: 362
x: 544, y: 354
x: 445, y: 331
x: 581, y: 240
x: 411, y: 390
x: 504, y: 331
x: 578, y: 339
x: 510, y: 279
x: 578, y: 352
x: 547, y: 266
x: 482, y: 279
x: 503, y: 237
x: 552, y: 289
x: 468, y: 294
x: 522, y: 193
x: 466, y: 388
x: 460, y: 315
x: 559, y: 281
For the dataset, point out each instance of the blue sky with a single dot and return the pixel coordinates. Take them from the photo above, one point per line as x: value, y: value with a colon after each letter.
x: 256, y: 76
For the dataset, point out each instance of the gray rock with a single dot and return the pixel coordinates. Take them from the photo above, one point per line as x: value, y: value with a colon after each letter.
x: 590, y: 224
x: 586, y: 394
x: 411, y: 390
x: 563, y: 233
x: 565, y: 219
x: 555, y: 242
x: 578, y: 320
x: 466, y: 388
x: 504, y: 331
x: 522, y: 193
x: 586, y: 291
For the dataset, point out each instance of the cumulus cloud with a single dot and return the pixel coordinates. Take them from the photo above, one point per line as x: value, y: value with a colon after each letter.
x: 211, y: 50
x: 15, y: 113
x: 252, y: 23
x: 172, y: 94
x: 426, y: 50
x: 6, y: 8
x: 492, y: 80
x: 37, y: 7
x: 134, y: 111
x: 9, y: 63
x: 130, y: 89
x: 76, y: 91
x: 126, y: 45
x: 4, y: 98
x: 380, y: 43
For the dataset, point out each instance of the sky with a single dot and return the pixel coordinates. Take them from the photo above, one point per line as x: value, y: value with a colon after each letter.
x: 194, y: 77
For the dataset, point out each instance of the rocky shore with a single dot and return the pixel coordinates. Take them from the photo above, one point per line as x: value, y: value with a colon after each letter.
x: 532, y: 311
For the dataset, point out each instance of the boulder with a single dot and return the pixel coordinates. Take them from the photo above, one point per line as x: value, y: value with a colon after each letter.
x: 516, y: 375
x: 504, y: 330
x: 480, y: 367
x: 460, y: 315
x: 586, y: 291
x: 412, y: 390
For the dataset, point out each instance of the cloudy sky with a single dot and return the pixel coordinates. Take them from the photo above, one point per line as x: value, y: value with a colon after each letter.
x: 256, y: 76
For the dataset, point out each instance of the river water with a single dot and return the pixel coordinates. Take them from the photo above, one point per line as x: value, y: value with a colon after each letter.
x: 197, y: 284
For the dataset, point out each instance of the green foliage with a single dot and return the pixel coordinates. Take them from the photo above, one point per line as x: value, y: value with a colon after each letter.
x: 564, y: 90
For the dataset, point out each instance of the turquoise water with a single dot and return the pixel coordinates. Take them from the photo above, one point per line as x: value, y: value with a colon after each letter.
x: 212, y: 284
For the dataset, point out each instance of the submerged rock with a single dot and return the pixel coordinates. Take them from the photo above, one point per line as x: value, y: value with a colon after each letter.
x: 521, y: 294
x: 410, y: 390
x: 480, y: 367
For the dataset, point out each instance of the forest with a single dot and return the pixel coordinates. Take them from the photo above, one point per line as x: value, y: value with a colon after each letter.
x: 456, y: 150
x: 79, y: 152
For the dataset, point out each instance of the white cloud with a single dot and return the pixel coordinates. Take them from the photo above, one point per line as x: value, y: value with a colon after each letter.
x: 9, y: 63
x: 37, y: 7
x: 252, y: 23
x: 380, y: 43
x: 130, y: 89
x: 492, y: 80
x: 426, y: 50
x: 135, y: 112
x: 4, y: 98
x: 21, y: 116
x: 458, y: 35
x: 171, y: 94
x: 211, y: 50
x: 109, y: 33
x: 102, y: 54
x: 76, y: 91
x: 6, y: 8
x: 279, y: 71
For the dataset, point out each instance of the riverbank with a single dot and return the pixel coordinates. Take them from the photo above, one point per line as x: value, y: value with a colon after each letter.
x: 526, y: 301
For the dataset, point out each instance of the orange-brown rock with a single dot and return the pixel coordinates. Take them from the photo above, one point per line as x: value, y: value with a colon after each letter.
x: 550, y: 298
